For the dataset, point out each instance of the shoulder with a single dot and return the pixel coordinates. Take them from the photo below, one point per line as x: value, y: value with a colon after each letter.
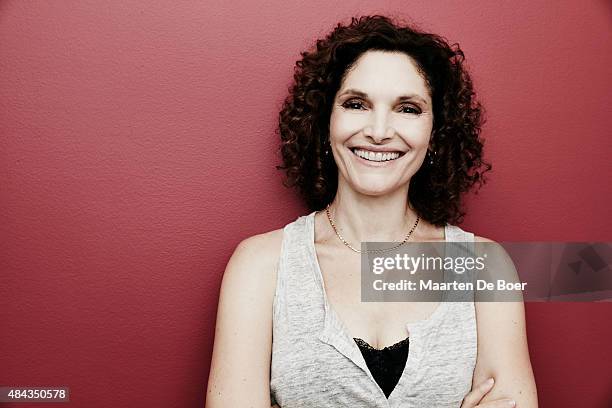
x: 249, y: 281
x: 261, y: 248
x: 492, y: 313
x: 259, y: 254
x: 498, y: 266
x: 255, y: 258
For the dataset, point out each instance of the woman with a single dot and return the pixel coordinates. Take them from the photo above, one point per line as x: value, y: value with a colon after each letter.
x: 380, y: 135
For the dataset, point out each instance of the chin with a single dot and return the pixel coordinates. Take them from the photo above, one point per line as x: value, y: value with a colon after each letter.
x: 372, y: 188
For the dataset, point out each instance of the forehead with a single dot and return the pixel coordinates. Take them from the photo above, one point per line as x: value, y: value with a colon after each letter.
x: 385, y: 74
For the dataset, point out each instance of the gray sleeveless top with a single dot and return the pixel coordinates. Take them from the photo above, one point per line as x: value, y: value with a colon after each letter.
x: 315, y: 362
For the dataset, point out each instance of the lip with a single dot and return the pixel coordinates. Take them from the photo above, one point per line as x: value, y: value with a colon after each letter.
x: 376, y: 150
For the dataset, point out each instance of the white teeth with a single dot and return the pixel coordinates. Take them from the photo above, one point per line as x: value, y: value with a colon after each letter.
x: 378, y: 156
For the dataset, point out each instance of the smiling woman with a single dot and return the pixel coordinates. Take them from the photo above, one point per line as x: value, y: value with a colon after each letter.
x: 380, y: 134
x: 379, y: 119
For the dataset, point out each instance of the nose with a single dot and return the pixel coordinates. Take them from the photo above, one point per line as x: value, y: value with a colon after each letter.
x: 379, y: 130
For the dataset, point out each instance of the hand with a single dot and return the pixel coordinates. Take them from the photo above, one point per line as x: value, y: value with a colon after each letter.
x: 472, y: 399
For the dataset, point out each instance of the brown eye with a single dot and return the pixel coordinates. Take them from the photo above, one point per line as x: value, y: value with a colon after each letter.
x: 410, y: 109
x: 352, y: 104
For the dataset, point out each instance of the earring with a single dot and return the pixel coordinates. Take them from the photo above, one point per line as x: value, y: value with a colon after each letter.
x: 431, y: 157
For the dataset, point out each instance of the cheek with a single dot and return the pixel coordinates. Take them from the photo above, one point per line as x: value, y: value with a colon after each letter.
x: 416, y: 134
x: 422, y: 127
x: 344, y: 125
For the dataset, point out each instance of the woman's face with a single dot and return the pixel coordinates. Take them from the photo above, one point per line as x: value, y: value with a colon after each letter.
x: 380, y: 123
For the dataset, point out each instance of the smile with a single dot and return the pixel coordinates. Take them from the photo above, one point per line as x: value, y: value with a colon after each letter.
x: 376, y: 156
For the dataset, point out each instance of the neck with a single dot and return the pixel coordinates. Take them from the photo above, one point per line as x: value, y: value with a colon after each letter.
x: 361, y: 218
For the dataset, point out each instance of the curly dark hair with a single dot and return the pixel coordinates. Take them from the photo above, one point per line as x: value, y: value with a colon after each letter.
x: 435, y: 191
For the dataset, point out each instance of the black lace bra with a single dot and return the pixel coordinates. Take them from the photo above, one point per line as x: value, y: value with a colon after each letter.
x: 386, y: 365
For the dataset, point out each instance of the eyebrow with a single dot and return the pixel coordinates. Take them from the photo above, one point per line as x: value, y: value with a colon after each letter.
x: 400, y: 98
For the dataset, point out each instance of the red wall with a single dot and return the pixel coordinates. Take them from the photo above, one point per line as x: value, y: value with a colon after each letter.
x: 138, y: 148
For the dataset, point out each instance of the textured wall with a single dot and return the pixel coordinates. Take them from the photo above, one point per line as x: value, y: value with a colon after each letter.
x: 138, y: 148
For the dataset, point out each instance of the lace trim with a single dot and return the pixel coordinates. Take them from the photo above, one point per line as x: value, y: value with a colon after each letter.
x: 395, y: 346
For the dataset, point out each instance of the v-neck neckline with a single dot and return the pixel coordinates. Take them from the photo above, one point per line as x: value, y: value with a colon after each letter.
x: 335, y: 333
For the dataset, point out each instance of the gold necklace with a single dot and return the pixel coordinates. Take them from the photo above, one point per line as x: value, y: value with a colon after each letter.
x: 370, y: 250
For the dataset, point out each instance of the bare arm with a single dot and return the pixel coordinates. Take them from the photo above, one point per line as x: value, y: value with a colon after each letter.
x: 240, y: 366
x: 503, y: 352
